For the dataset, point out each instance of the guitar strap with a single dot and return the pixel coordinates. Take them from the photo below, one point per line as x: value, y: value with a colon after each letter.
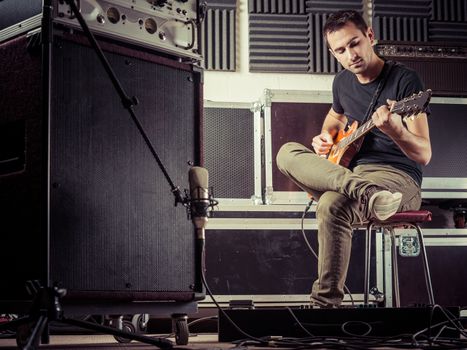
x: 386, y: 70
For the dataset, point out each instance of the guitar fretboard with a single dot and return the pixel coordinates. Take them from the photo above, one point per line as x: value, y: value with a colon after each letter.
x: 399, y: 108
x: 362, y: 130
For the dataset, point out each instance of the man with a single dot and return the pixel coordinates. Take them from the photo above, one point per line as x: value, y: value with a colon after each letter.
x: 383, y: 177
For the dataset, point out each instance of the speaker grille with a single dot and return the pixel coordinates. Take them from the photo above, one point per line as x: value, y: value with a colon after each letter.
x: 229, y: 151
x: 113, y: 223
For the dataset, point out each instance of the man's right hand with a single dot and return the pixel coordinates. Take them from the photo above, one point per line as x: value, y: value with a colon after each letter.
x: 322, y: 143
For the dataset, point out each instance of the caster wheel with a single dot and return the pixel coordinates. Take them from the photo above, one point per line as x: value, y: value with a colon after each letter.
x: 181, y: 332
x: 140, y: 322
x: 127, y: 327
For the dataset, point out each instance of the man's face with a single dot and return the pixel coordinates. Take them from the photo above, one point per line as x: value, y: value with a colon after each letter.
x: 352, y: 48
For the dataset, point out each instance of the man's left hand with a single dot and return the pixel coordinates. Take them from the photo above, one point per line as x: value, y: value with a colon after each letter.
x: 389, y: 123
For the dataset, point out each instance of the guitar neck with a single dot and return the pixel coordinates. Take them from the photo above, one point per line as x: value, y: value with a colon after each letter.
x: 361, y: 131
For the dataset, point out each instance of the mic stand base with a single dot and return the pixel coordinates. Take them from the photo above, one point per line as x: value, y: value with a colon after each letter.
x: 46, y: 308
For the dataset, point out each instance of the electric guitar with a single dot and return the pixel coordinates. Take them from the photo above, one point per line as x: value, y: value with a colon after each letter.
x: 348, y: 142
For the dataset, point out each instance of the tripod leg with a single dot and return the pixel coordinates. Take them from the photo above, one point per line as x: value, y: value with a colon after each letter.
x: 45, y: 337
x: 33, y: 339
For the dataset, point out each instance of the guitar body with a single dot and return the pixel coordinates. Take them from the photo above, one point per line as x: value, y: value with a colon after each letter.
x: 343, y: 155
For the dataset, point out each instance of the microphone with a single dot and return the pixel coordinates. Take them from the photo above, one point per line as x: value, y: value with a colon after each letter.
x: 200, y: 200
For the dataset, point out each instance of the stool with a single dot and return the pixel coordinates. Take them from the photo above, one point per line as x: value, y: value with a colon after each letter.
x: 402, y: 219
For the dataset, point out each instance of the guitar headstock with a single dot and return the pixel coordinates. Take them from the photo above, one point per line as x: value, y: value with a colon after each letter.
x: 412, y: 105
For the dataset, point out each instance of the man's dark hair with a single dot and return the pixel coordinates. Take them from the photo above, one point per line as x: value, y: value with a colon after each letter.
x: 339, y: 19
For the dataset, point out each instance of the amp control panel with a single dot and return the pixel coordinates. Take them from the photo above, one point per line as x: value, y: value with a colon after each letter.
x: 170, y: 26
x: 421, y: 50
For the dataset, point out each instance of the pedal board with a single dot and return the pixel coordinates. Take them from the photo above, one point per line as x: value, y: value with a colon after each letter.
x: 382, y: 322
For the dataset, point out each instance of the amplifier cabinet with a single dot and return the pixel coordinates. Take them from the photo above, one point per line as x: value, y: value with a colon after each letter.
x: 258, y: 253
x: 291, y: 115
x: 114, y: 232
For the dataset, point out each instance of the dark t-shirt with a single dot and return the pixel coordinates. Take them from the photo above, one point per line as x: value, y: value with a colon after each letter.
x: 352, y: 99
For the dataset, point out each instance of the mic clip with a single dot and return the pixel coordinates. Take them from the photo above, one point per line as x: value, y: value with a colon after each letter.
x: 184, y: 200
x: 198, y: 206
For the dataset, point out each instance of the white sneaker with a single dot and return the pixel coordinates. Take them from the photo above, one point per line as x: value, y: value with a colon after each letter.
x: 384, y: 204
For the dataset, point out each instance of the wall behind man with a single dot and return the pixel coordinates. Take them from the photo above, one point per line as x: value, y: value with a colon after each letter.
x: 243, y: 86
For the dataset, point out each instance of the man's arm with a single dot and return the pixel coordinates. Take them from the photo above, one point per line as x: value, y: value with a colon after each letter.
x: 413, y: 140
x: 333, y: 122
